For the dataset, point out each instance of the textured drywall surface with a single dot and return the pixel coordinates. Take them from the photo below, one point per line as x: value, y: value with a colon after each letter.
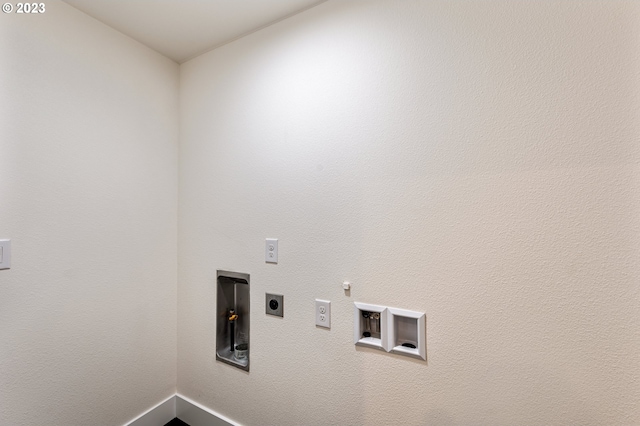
x: 88, y: 195
x: 477, y: 161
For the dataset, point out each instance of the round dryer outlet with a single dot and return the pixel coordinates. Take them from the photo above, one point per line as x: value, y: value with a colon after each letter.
x: 274, y: 304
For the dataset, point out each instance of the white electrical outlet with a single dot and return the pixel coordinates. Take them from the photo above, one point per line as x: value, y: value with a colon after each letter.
x: 271, y: 250
x: 323, y: 313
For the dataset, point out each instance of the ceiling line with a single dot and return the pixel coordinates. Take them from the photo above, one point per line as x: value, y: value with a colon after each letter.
x: 209, y: 49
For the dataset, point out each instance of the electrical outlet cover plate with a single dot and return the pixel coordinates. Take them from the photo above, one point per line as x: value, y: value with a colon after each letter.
x: 271, y: 250
x: 274, y: 304
x: 323, y: 313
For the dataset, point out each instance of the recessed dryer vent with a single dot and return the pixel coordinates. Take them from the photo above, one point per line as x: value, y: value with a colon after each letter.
x: 407, y: 332
x: 232, y: 319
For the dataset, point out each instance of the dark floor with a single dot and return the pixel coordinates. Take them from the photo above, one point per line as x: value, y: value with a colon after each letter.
x: 176, y: 422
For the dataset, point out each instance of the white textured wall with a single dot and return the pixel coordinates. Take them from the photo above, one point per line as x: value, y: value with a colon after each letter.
x: 88, y: 195
x: 478, y: 161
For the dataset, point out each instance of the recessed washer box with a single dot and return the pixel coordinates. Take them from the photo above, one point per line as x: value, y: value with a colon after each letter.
x: 232, y: 319
x: 370, y: 326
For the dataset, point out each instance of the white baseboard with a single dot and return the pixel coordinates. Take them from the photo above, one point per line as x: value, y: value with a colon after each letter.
x: 159, y: 415
x: 190, y: 412
x: 195, y: 414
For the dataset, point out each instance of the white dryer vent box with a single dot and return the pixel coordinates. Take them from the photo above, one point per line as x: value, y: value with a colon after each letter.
x: 407, y: 332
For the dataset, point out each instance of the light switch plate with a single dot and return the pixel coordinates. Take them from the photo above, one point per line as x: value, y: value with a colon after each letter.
x: 271, y: 250
x: 5, y: 254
